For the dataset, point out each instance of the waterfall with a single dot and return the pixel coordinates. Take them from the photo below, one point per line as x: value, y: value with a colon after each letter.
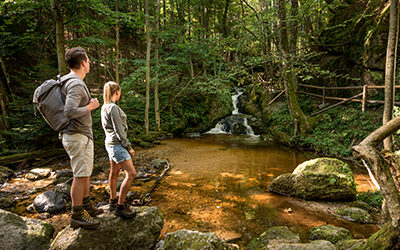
x: 236, y: 123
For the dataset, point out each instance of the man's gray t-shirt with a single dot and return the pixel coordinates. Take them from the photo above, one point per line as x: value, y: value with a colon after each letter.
x: 77, y: 97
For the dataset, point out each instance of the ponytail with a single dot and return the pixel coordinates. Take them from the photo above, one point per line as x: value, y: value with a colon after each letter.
x: 110, y: 88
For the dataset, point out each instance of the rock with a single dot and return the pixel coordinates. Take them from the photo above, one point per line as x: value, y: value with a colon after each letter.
x: 50, y: 202
x: 64, y: 189
x: 6, y: 202
x: 349, y: 244
x: 186, y: 239
x: 64, y: 173
x: 23, y: 233
x: 30, y: 208
x: 330, y: 233
x: 140, y: 232
x: 318, y: 244
x: 317, y: 179
x: 355, y: 214
x: 5, y: 174
x: 274, y: 235
x: 158, y: 163
x: 159, y: 245
x: 38, y: 173
x: 386, y: 238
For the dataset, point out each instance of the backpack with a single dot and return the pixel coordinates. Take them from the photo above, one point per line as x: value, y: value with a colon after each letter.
x: 50, y: 101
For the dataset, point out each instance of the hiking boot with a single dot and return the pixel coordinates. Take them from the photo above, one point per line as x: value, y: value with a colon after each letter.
x: 84, y: 220
x: 123, y: 211
x: 92, y: 210
x: 113, y: 204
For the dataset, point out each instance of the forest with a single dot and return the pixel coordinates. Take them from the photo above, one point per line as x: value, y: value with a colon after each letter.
x: 179, y: 62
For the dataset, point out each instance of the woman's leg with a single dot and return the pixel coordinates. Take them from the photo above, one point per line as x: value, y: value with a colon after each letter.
x: 112, y: 179
x: 126, y: 184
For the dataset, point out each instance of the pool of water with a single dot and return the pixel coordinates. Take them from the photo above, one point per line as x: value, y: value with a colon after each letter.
x: 219, y: 183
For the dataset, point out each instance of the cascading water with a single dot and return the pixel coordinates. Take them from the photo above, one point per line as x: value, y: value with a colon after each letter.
x: 236, y: 123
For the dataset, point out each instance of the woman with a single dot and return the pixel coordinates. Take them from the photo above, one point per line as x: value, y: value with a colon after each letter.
x: 114, y: 122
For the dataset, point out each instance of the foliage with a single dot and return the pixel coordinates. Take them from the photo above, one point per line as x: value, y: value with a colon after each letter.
x: 374, y: 199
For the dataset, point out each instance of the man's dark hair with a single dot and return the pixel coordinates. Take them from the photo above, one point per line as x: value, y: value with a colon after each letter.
x: 74, y: 57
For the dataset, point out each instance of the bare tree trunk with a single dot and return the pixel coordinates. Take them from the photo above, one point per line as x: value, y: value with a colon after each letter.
x: 3, y: 105
x: 305, y: 123
x: 117, y: 45
x: 5, y: 72
x: 189, y: 20
x: 58, y: 20
x: 390, y: 71
x: 367, y: 150
x: 224, y: 19
x: 294, y: 37
x: 156, y: 99
x: 147, y: 68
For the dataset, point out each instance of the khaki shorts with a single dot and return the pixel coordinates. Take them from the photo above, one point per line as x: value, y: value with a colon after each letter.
x: 81, y: 152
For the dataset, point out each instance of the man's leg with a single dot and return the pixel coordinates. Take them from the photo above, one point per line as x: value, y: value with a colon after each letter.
x: 78, y: 190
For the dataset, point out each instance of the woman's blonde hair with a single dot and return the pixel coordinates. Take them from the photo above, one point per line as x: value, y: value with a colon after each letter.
x: 110, y: 88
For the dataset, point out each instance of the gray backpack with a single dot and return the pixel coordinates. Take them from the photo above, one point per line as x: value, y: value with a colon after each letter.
x: 49, y: 99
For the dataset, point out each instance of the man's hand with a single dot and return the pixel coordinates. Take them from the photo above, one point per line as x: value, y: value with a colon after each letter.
x: 93, y: 104
x: 132, y: 152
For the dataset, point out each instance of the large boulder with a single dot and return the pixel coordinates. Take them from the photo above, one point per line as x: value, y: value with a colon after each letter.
x: 140, y: 232
x: 23, y: 233
x: 186, y: 239
x: 49, y: 202
x: 317, y: 179
x: 330, y: 233
x: 273, y: 235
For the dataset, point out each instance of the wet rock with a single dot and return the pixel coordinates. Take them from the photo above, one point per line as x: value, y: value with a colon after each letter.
x: 355, y: 214
x: 31, y: 208
x: 159, y: 245
x: 330, y: 233
x: 44, y: 216
x: 318, y: 244
x: 317, y: 179
x: 349, y: 244
x: 5, y: 174
x: 64, y: 173
x: 274, y: 235
x: 158, y: 163
x: 38, y: 173
x: 64, y: 189
x: 140, y: 232
x: 23, y: 233
x: 50, y: 202
x: 6, y: 203
x: 186, y: 239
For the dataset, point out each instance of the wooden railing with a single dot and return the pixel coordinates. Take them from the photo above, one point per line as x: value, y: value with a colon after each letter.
x: 364, y: 94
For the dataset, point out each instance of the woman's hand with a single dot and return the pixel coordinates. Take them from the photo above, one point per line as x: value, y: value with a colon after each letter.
x: 132, y: 152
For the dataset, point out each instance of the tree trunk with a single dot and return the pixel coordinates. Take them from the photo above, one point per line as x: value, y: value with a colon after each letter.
x: 305, y: 123
x: 3, y: 105
x: 224, y: 19
x: 390, y: 71
x: 189, y: 19
x: 366, y: 150
x: 5, y: 72
x: 293, y: 38
x: 117, y: 45
x: 147, y: 68
x: 156, y: 99
x: 58, y: 20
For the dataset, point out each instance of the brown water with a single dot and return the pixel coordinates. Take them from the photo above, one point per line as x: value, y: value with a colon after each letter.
x: 219, y: 183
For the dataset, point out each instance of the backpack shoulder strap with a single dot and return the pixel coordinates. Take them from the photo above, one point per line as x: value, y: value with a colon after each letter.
x: 66, y: 79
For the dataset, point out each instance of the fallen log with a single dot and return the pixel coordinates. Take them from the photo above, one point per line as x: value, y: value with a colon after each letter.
x: 41, y: 154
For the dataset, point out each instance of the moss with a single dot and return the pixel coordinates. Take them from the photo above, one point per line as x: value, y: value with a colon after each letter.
x: 276, y: 235
x: 329, y: 233
x: 355, y: 214
x: 386, y: 238
x: 349, y: 244
x: 373, y: 199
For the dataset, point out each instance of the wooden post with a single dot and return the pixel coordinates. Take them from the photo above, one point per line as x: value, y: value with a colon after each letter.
x: 364, y: 99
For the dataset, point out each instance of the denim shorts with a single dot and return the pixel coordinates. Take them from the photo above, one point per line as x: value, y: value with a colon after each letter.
x: 118, y: 153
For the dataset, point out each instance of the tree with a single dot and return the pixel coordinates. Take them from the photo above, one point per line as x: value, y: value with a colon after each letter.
x: 390, y: 69
x: 156, y: 99
x: 58, y: 20
x: 147, y: 126
x: 117, y: 45
x: 305, y: 123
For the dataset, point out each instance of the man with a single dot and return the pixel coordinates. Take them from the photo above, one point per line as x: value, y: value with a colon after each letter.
x: 77, y: 138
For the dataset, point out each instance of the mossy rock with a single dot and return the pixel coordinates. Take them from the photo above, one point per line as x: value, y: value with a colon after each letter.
x: 355, y: 214
x: 386, y: 238
x: 330, y: 233
x: 5, y: 174
x: 349, y: 244
x: 186, y: 239
x: 317, y: 179
x: 374, y: 199
x: 273, y: 235
x: 318, y: 244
